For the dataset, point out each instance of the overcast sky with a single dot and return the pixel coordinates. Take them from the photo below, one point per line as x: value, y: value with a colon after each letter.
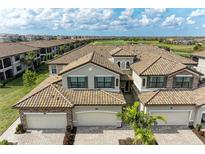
x: 130, y: 22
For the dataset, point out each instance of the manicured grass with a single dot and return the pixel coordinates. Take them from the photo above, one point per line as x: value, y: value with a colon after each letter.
x: 182, y: 50
x: 13, y: 92
x: 110, y: 42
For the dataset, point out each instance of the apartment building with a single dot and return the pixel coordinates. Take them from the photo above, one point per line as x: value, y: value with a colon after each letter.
x: 10, y: 59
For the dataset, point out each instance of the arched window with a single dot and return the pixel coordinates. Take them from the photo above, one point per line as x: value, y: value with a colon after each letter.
x: 123, y: 65
x: 127, y: 64
x: 118, y: 63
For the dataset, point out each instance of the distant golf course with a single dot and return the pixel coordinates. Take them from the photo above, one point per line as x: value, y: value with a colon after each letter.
x: 183, y: 50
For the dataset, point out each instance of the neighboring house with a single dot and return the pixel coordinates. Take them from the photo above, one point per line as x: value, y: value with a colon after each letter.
x: 166, y: 87
x: 91, y: 82
x: 10, y: 59
x: 88, y: 95
x: 200, y: 58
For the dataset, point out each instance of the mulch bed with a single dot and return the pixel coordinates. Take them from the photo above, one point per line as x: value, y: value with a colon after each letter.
x: 200, y: 135
x: 128, y: 141
x: 69, y: 137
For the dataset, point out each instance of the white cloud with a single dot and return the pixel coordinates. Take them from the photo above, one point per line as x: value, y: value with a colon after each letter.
x: 195, y: 13
x: 154, y: 11
x: 189, y: 21
x: 55, y: 18
x: 172, y: 21
x: 198, y: 12
x: 203, y: 25
x: 145, y: 21
x: 126, y: 14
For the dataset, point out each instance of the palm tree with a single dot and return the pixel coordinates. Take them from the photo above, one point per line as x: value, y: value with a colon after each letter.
x: 28, y: 59
x: 141, y: 122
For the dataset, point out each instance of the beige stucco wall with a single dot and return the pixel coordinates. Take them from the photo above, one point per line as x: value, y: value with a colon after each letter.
x: 200, y: 111
x: 138, y: 80
x: 183, y: 72
x: 59, y: 68
x: 91, y: 70
x: 201, y: 66
x: 123, y: 60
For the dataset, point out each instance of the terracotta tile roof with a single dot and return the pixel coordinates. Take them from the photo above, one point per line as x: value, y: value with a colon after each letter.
x: 163, y: 66
x: 199, y: 54
x: 82, y: 51
x: 145, y: 61
x: 168, y: 97
x: 9, y: 49
x: 122, y: 52
x: 46, y: 43
x: 146, y: 49
x: 94, y: 58
x: 92, y: 97
x: 55, y: 96
x: 199, y: 94
x: 48, y: 97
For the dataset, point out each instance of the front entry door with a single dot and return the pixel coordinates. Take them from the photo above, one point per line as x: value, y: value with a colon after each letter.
x: 127, y: 86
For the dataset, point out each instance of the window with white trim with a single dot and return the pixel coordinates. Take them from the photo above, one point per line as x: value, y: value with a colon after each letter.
x: 183, y: 82
x: 53, y: 69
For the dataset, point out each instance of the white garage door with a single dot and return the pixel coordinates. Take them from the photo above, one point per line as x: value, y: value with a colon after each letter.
x: 97, y: 118
x: 46, y: 121
x: 173, y: 117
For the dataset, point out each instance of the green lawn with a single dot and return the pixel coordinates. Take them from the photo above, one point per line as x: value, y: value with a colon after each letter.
x: 14, y: 91
x: 183, y: 50
x: 110, y: 42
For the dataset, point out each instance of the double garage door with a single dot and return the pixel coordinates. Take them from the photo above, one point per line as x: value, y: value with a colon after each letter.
x: 173, y: 117
x: 46, y: 121
x: 96, y: 118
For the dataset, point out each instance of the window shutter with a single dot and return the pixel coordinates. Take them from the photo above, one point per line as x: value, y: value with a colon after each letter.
x: 95, y: 82
x: 68, y: 81
x: 191, y: 82
x: 165, y: 82
x: 113, y: 82
x: 148, y: 82
x: 174, y: 82
x: 117, y: 82
x: 86, y: 82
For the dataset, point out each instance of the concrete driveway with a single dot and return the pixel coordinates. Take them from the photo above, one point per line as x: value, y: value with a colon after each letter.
x: 101, y: 135
x: 41, y: 137
x: 175, y: 135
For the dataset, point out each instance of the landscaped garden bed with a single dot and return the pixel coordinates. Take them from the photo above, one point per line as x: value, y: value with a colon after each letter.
x: 141, y: 123
x: 69, y: 137
x: 199, y: 133
x: 130, y: 141
x: 5, y: 142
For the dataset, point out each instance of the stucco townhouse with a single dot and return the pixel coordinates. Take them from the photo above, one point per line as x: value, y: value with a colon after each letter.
x: 87, y: 87
x: 10, y: 59
x: 199, y: 57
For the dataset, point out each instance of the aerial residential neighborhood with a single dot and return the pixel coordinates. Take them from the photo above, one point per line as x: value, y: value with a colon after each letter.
x: 104, y: 89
